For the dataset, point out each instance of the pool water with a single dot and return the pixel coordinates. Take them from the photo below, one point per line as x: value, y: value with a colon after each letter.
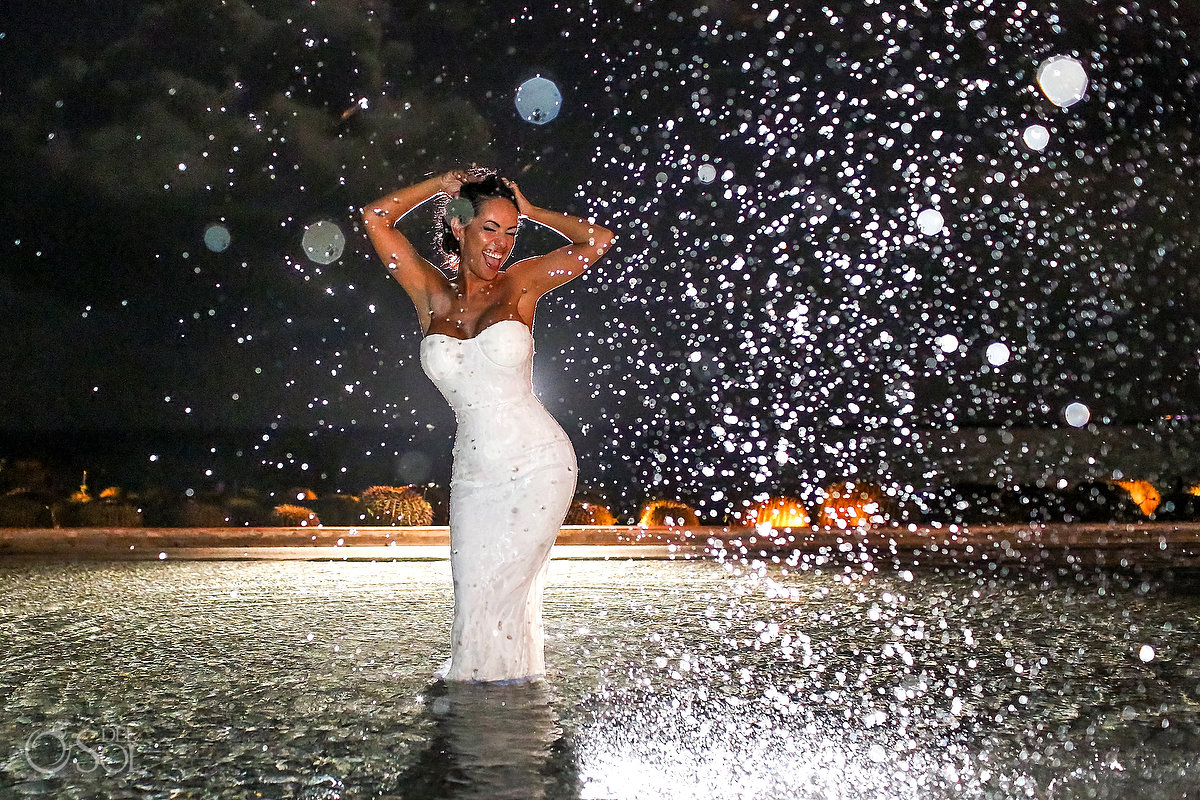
x: 668, y: 679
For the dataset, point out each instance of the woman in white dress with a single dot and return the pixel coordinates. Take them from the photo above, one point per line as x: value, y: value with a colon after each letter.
x: 514, y: 469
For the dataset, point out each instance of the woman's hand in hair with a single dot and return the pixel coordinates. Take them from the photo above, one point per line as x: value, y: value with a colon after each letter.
x: 453, y: 180
x: 523, y: 205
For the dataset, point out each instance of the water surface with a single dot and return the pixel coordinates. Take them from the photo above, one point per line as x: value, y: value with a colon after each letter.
x: 668, y: 679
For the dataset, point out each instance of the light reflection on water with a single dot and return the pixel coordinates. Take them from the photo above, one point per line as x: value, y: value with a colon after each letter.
x: 311, y: 680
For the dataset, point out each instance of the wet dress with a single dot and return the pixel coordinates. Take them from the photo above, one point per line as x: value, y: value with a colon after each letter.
x: 511, y: 486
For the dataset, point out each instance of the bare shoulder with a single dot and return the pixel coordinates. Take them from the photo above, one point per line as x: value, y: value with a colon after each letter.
x: 542, y: 274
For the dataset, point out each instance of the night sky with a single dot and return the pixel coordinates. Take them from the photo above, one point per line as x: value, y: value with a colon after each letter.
x: 772, y: 303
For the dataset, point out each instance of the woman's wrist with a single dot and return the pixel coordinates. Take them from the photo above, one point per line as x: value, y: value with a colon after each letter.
x: 449, y: 183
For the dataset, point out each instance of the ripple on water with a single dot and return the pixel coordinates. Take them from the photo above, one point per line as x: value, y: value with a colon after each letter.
x: 667, y: 680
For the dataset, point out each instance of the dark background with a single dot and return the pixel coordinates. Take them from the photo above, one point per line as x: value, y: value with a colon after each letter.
x: 772, y: 330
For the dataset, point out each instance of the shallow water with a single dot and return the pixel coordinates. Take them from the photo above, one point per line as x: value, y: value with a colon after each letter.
x: 669, y: 679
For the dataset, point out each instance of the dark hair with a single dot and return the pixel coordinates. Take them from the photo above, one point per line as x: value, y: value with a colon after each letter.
x: 475, y: 192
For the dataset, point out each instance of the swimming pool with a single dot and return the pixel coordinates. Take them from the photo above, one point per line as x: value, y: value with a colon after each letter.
x: 669, y: 679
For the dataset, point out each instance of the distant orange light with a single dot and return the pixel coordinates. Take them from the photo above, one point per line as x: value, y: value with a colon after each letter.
x: 1143, y: 494
x: 852, y: 505
x: 778, y: 512
x: 1194, y: 490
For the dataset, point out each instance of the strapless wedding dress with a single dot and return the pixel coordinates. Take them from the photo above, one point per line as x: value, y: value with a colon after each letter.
x: 511, y: 486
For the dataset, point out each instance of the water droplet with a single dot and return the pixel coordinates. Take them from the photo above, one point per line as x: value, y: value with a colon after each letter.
x: 538, y: 100
x: 1077, y: 414
x: 1063, y: 80
x: 323, y: 242
x: 998, y: 354
x: 216, y: 237
x: 930, y: 221
x: 1036, y: 137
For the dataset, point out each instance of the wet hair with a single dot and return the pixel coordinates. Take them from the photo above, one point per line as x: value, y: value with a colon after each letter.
x: 471, y: 197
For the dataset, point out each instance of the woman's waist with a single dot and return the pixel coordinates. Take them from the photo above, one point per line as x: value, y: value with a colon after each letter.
x: 489, y: 460
x: 486, y: 405
x: 526, y: 436
x: 524, y: 410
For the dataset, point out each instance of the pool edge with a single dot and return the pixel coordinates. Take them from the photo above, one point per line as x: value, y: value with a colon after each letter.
x: 1116, y: 544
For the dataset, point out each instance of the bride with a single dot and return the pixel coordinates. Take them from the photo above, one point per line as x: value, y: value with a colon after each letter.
x: 514, y: 469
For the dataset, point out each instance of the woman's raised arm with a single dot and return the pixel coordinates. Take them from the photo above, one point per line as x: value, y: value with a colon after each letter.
x: 420, y: 279
x: 588, y: 242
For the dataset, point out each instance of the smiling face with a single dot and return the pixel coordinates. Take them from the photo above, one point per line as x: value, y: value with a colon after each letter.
x: 486, y: 242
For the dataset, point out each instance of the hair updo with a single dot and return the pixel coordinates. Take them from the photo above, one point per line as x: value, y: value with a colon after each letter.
x: 481, y: 186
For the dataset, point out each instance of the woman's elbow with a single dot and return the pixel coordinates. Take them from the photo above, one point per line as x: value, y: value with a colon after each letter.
x: 602, y: 240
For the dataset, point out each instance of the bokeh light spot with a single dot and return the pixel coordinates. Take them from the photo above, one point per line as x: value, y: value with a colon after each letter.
x: 998, y: 354
x: 1077, y: 414
x: 538, y: 100
x: 1036, y: 137
x: 323, y: 242
x: 1063, y: 80
x: 216, y: 237
x: 460, y: 208
x: 947, y: 343
x: 930, y: 221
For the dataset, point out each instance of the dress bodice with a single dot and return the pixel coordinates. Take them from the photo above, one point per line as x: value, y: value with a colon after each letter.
x: 488, y: 381
x: 494, y: 367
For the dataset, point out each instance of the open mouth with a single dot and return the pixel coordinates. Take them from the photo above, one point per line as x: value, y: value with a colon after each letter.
x: 493, y: 259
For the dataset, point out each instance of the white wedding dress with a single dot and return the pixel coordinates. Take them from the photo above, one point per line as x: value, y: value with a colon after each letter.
x: 511, y: 486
